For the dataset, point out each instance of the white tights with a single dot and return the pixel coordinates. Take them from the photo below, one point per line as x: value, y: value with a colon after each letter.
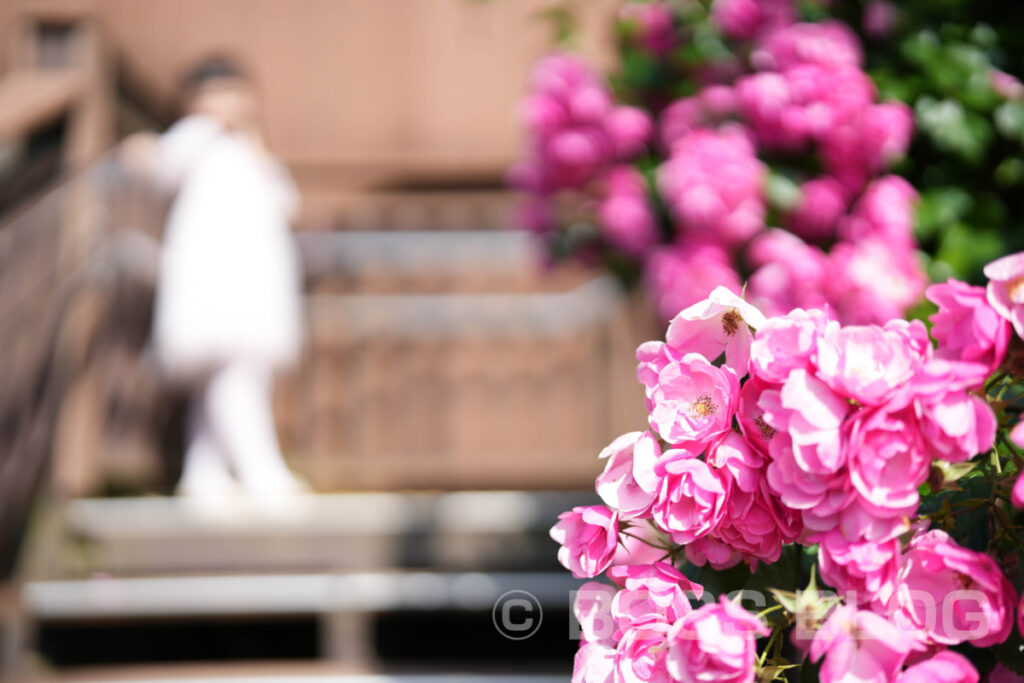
x: 233, y: 442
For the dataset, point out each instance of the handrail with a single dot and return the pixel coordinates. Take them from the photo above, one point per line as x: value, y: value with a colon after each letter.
x: 31, y: 98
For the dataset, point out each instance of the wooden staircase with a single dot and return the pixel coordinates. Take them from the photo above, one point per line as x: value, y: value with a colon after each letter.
x: 451, y: 402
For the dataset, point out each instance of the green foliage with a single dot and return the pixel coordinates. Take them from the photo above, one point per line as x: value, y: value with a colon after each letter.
x: 967, y: 160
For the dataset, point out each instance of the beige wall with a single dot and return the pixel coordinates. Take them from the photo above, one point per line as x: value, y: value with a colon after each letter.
x: 351, y: 86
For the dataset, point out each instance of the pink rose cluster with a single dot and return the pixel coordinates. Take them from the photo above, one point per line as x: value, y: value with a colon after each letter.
x: 768, y: 431
x: 840, y: 236
x: 577, y: 134
x: 645, y: 627
x: 653, y: 24
x: 806, y: 94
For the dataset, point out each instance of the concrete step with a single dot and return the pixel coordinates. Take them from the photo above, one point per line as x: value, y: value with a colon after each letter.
x: 494, y: 530
x: 107, y: 597
x: 276, y: 673
x: 367, y: 620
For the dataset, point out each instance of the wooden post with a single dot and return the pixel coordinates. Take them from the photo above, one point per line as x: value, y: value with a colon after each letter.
x: 348, y: 637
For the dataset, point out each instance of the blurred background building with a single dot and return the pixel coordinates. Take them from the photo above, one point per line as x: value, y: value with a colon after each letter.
x: 451, y: 400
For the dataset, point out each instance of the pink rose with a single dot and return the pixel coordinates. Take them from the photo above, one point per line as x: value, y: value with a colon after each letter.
x: 859, y: 645
x: 589, y: 104
x: 822, y: 203
x: 757, y: 525
x: 888, y: 127
x: 945, y: 667
x: 629, y: 129
x: 819, y: 497
x: 693, y: 401
x: 713, y: 184
x: 811, y: 415
x: 717, y: 100
x: 879, y: 18
x: 790, y: 273
x: 692, y: 497
x: 873, y: 282
x: 1005, y: 85
x: 1018, y: 495
x: 594, y: 663
x: 1017, y: 437
x: 746, y: 19
x: 864, y: 571
x: 652, y: 591
x: 575, y: 131
x: 966, y: 327
x: 652, y: 357
x: 819, y: 104
x: 773, y: 110
x: 679, y: 119
x: 588, y: 536
x: 886, y: 211
x: 719, y: 323
x: 640, y: 656
x: 592, y: 608
x: 625, y: 215
x: 867, y: 363
x: 867, y: 142
x: 887, y: 463
x: 628, y: 483
x: 827, y: 43
x: 957, y: 425
x: 953, y: 594
x: 654, y: 22
x: 680, y: 275
x: 717, y: 642
x: 710, y: 550
x: 733, y: 455
x: 737, y: 18
x: 786, y: 343
x: 757, y: 433
x: 575, y: 155
x: 1006, y: 289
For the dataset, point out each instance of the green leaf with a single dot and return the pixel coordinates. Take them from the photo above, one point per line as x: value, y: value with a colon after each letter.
x: 787, y: 599
x: 940, y: 207
x: 953, y: 128
x: 1009, y: 119
x: 1010, y: 172
x: 965, y: 249
x: 782, y: 191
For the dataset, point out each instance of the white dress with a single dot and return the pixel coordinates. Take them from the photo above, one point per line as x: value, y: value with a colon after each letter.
x: 229, y: 286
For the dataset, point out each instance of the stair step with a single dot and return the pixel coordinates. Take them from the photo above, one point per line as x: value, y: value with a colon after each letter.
x: 351, y: 531
x: 246, y: 595
x: 327, y: 678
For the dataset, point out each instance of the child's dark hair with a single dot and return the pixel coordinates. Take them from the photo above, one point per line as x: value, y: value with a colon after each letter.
x: 209, y: 69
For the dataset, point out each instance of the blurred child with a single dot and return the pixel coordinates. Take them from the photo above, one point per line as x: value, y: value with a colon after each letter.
x: 228, y: 296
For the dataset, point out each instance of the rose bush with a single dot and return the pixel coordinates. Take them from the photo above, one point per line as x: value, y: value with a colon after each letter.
x: 794, y: 450
x: 772, y: 169
x: 766, y: 142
